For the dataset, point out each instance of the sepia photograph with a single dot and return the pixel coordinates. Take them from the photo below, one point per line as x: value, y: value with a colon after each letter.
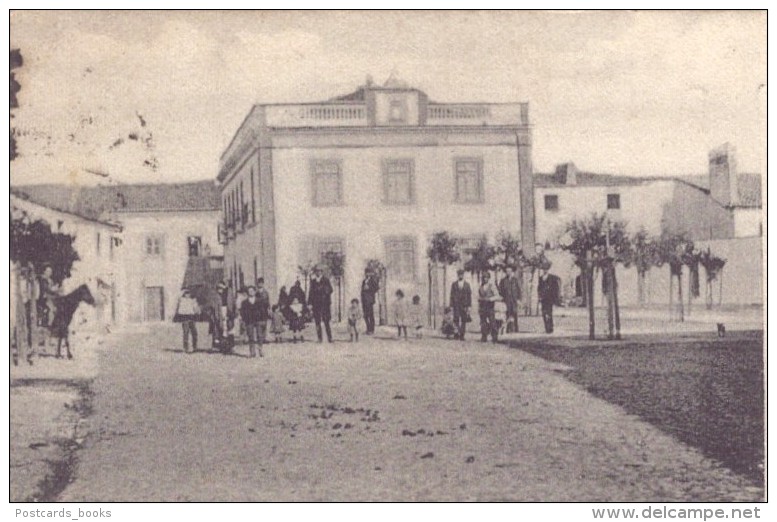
x: 388, y: 256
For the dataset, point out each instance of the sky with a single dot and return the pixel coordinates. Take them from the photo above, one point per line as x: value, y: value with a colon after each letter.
x: 157, y: 96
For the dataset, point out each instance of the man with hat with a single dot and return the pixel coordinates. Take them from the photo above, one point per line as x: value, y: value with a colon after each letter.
x: 370, y: 287
x: 549, y: 293
x: 320, y: 301
x: 461, y: 301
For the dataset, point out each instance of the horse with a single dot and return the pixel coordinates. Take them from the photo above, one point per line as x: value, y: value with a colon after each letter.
x: 65, y: 308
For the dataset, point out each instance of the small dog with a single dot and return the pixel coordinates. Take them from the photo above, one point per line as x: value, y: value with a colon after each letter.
x: 721, y: 330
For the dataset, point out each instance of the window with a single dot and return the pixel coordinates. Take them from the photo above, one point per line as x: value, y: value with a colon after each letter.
x: 398, y: 182
x: 469, y: 180
x: 195, y: 245
x: 400, y: 257
x: 327, y: 183
x: 153, y: 246
x: 551, y: 202
x: 397, y: 111
x: 613, y: 201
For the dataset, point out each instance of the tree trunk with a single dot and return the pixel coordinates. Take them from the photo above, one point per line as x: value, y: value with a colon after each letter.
x: 680, y: 294
x: 432, y: 305
x: 690, y: 292
x: 589, y: 281
x: 617, y: 307
x: 607, y: 279
x: 671, y: 295
x: 444, y: 286
x: 720, y: 291
x: 641, y: 287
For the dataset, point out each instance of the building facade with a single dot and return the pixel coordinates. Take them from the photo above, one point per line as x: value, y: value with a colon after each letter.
x: 371, y: 175
x: 137, y: 239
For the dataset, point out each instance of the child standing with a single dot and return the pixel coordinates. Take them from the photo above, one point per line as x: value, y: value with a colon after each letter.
x: 448, y: 325
x: 296, y: 319
x: 416, y: 317
x: 278, y: 322
x: 354, y: 316
x: 399, y: 312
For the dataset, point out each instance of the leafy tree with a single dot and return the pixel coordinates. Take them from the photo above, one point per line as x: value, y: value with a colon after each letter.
x: 644, y: 257
x: 15, y: 61
x: 482, y: 260
x: 34, y: 242
x: 676, y: 250
x: 443, y: 251
x: 377, y: 267
x: 597, y: 242
x: 305, y: 271
x: 509, y: 251
x: 335, y: 264
x: 713, y: 266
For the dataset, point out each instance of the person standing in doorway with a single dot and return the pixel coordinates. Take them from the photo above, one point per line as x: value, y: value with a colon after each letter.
x: 510, y: 290
x: 320, y: 300
x: 548, y: 292
x: 255, y: 311
x: 487, y: 296
x: 370, y: 287
x: 461, y: 301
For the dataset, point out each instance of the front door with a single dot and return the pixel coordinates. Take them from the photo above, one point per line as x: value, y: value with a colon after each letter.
x: 155, y: 303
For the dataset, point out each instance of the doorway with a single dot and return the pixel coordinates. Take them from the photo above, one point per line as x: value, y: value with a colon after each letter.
x: 155, y: 303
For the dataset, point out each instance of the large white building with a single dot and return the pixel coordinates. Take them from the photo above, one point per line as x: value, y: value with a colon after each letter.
x: 372, y: 174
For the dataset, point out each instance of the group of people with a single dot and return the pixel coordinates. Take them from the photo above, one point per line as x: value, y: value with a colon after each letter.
x: 250, y: 312
x: 497, y: 304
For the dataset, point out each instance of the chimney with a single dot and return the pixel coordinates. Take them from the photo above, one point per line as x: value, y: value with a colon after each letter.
x: 723, y: 174
x: 566, y: 174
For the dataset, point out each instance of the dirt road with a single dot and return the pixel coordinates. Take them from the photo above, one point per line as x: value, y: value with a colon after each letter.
x: 378, y: 420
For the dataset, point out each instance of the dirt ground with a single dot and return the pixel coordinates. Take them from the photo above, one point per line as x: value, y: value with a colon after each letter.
x: 378, y: 420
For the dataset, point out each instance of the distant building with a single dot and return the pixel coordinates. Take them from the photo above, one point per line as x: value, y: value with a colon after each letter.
x: 143, y: 259
x: 372, y: 174
x: 95, y: 240
x: 721, y: 210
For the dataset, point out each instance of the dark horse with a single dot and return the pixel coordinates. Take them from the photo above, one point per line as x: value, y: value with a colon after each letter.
x: 66, y: 307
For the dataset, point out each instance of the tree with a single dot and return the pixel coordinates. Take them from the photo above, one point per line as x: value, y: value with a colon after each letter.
x: 443, y: 251
x: 15, y: 61
x: 305, y: 270
x: 509, y: 251
x: 713, y: 266
x: 599, y: 243
x: 33, y: 242
x: 482, y: 260
x: 377, y: 267
x: 335, y: 263
x: 533, y: 263
x: 644, y: 257
x: 676, y: 250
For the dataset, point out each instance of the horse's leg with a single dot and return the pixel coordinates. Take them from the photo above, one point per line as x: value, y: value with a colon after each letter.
x: 59, y: 348
x: 67, y: 344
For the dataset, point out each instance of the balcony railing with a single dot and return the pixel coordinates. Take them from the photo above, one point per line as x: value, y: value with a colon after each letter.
x: 323, y: 115
x: 477, y: 114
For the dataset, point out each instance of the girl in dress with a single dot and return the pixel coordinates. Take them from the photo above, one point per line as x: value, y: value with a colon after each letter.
x: 399, y: 313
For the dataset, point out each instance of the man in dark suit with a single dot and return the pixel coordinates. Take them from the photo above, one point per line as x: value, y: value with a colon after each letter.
x: 320, y: 301
x: 461, y: 301
x: 510, y: 290
x: 549, y: 292
x: 370, y: 287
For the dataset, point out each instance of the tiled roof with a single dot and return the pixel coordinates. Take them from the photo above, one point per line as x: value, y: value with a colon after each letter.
x: 98, y: 202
